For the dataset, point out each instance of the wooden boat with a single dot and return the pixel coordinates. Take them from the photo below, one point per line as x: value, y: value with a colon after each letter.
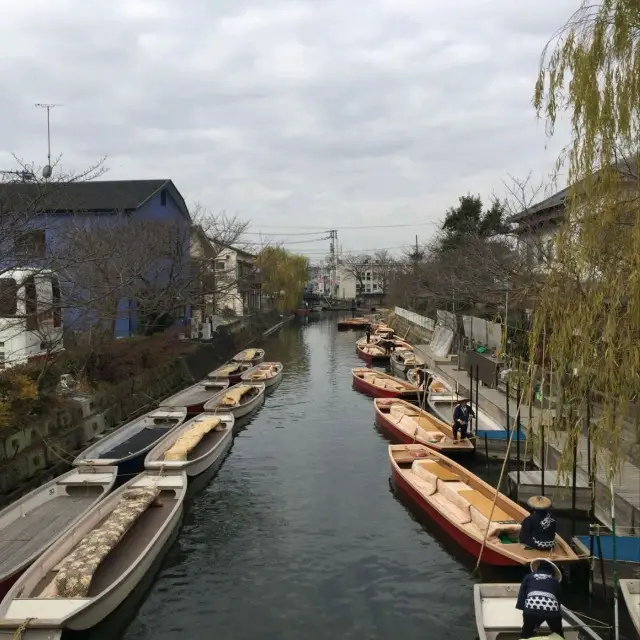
x: 127, y: 446
x: 353, y: 324
x: 406, y: 423
x: 32, y: 523
x: 268, y: 372
x: 492, y: 437
x: 193, y: 447
x: 90, y: 570
x: 630, y: 589
x: 232, y: 371
x: 498, y: 619
x: 461, y: 504
x: 438, y: 386
x: 403, y: 360
x: 372, y: 352
x: 384, y: 332
x: 254, y: 356
x: 240, y: 400
x: 194, y: 397
x: 627, y: 555
x: 381, y: 385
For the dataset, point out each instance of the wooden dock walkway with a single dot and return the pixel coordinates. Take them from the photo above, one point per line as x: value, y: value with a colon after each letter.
x: 626, y: 483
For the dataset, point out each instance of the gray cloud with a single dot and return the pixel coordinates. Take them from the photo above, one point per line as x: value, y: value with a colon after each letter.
x: 307, y: 112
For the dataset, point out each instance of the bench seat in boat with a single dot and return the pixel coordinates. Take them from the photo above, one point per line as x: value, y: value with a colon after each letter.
x: 73, y: 578
x: 190, y: 439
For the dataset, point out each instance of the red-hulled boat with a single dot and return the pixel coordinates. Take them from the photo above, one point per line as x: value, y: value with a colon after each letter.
x: 463, y: 507
x: 406, y: 423
x: 380, y: 385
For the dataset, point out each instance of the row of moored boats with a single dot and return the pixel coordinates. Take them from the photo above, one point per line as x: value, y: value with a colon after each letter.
x: 72, y: 550
x: 426, y: 467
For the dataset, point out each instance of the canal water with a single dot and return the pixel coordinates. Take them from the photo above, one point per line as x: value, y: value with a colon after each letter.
x: 299, y: 535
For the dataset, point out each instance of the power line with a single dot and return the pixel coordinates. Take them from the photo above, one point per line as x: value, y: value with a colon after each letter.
x: 365, y: 226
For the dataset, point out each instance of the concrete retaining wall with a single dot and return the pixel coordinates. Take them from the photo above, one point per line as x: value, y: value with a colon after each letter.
x: 33, y: 454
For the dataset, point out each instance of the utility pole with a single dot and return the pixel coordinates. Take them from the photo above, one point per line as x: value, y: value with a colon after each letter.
x: 333, y: 271
x: 46, y: 172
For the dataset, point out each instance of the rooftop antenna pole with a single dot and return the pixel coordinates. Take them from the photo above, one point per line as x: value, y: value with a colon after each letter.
x: 46, y: 172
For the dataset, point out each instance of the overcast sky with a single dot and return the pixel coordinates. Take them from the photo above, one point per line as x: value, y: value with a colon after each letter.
x: 309, y: 113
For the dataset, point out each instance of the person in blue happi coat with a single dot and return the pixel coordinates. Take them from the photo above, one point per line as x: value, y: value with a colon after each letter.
x: 461, y: 415
x: 538, y: 529
x: 539, y: 598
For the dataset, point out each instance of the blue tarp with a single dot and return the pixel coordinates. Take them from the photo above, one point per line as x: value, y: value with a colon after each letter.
x: 501, y: 434
x: 627, y: 547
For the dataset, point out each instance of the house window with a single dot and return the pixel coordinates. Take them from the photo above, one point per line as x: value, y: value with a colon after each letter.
x: 8, y: 297
x: 221, y: 265
x: 31, y: 303
x: 163, y: 198
x: 31, y: 244
x: 57, y: 311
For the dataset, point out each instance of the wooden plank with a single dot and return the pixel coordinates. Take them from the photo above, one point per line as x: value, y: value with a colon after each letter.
x: 484, y: 505
x: 38, y: 528
x: 442, y: 472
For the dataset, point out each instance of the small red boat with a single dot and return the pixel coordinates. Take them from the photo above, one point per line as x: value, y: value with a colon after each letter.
x: 380, y: 385
x: 406, y: 423
x: 372, y: 353
x: 466, y: 508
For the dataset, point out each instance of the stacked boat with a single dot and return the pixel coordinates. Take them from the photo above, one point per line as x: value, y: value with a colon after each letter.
x: 72, y: 551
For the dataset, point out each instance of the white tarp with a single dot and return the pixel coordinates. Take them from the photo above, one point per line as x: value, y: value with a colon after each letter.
x: 441, y: 341
x: 494, y: 335
x: 447, y: 319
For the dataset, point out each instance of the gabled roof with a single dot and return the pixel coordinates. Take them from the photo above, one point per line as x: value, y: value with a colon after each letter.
x: 91, y: 196
x: 626, y: 166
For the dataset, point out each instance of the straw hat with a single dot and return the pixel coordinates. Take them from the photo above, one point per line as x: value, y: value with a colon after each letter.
x: 535, y: 564
x: 540, y: 503
x: 463, y: 400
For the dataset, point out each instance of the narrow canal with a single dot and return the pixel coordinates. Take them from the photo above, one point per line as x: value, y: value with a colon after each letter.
x: 299, y: 536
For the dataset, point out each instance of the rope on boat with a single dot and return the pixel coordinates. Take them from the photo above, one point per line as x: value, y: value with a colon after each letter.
x: 22, y: 628
x: 504, y: 466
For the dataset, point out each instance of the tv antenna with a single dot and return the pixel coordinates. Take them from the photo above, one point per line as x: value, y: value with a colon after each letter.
x: 47, y: 171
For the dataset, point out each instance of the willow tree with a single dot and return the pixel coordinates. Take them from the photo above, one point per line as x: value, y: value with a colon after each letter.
x: 284, y: 275
x: 588, y: 312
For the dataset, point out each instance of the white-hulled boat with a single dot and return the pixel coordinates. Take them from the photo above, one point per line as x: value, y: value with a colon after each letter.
x: 254, y: 356
x: 240, y: 400
x: 194, y: 397
x: 268, y: 372
x: 194, y: 447
x: 403, y: 361
x: 89, y: 571
x: 32, y: 523
x: 630, y: 588
x: 498, y: 619
x: 126, y: 446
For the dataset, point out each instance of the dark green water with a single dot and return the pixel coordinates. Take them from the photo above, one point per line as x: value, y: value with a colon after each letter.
x: 299, y: 535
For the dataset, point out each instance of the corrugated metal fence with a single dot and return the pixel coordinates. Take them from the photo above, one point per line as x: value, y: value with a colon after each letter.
x: 421, y: 321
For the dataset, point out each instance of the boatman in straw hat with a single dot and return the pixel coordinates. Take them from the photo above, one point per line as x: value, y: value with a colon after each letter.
x: 538, y: 529
x: 539, y: 598
x: 461, y: 415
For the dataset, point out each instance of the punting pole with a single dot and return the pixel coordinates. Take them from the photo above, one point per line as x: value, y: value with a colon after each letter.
x: 517, y: 434
x: 616, y: 622
x: 477, y: 395
x: 542, y: 460
x: 508, y: 425
x: 574, y: 478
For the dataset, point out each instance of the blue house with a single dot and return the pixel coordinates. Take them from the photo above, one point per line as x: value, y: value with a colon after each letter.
x: 120, y: 249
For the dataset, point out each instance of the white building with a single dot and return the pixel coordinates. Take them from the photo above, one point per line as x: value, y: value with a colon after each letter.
x: 226, y: 279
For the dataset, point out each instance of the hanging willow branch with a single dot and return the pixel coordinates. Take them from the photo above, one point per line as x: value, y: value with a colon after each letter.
x: 590, y: 302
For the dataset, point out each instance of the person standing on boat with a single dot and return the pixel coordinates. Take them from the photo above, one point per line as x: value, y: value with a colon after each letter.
x: 461, y: 415
x: 539, y: 598
x: 424, y: 379
x: 368, y: 333
x: 538, y: 529
x: 387, y: 345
